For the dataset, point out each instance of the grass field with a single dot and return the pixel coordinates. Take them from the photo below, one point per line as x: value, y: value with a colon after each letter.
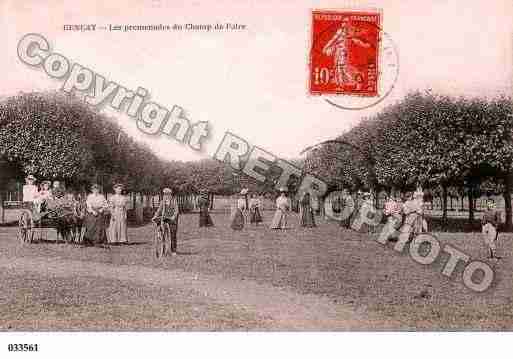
x: 373, y: 286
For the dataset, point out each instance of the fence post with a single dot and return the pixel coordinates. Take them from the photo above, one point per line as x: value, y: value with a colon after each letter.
x: 139, y: 209
x: 2, y: 213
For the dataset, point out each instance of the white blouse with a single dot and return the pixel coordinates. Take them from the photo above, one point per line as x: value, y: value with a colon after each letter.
x: 282, y: 203
x: 95, y: 202
x: 30, y: 193
x: 241, y: 204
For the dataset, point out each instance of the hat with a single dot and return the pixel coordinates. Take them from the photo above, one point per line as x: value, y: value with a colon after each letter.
x: 119, y: 185
x: 95, y: 185
x: 167, y: 190
x: 31, y: 177
x: 244, y: 191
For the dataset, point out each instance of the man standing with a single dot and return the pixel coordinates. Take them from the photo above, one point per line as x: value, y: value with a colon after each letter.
x: 167, y: 216
x: 490, y: 222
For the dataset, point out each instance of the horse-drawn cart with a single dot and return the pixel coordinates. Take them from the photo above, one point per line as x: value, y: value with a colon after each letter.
x: 64, y: 215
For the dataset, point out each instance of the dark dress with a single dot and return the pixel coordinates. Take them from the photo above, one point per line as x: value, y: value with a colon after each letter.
x: 237, y: 222
x: 347, y: 208
x: 204, y: 216
x: 95, y: 228
x: 96, y: 225
x: 254, y: 212
x: 307, y: 214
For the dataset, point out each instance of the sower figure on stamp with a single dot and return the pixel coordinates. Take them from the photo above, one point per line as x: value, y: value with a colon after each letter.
x: 490, y: 223
x: 167, y: 216
x: 339, y: 46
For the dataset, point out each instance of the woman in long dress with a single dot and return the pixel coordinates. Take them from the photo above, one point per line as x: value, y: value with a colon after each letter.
x: 255, y: 216
x: 238, y: 216
x: 118, y: 214
x: 307, y: 214
x: 282, y: 208
x: 204, y: 216
x: 95, y: 220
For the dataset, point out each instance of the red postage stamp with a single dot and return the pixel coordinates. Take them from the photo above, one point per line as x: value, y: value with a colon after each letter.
x: 344, y: 53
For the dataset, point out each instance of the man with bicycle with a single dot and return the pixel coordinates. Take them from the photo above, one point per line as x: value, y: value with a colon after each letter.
x: 166, y: 217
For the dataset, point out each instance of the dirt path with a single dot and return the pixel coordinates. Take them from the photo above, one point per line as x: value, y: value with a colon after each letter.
x: 287, y: 310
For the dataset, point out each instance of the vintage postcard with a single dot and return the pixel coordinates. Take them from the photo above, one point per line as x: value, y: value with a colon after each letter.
x: 254, y: 166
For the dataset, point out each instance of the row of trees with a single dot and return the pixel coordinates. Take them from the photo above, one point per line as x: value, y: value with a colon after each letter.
x: 448, y: 145
x: 57, y: 136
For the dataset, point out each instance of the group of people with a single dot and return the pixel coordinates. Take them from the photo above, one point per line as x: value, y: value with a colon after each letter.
x: 408, y: 218
x: 100, y: 227
x: 39, y: 196
x: 406, y: 213
x: 105, y: 221
x: 250, y: 205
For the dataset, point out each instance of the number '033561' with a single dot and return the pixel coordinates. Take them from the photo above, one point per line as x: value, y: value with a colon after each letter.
x: 22, y: 347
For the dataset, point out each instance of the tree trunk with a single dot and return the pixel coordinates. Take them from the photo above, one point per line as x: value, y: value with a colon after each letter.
x: 471, y: 204
x: 507, y: 201
x: 444, y: 205
x: 2, y: 212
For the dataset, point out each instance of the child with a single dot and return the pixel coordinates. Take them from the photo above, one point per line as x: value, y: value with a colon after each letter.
x: 490, y: 222
x: 30, y: 191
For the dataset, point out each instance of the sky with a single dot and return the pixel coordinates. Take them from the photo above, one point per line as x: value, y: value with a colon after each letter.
x: 253, y: 82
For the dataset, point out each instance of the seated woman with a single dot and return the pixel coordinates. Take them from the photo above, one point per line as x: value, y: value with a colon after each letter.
x: 44, y: 195
x: 95, y: 220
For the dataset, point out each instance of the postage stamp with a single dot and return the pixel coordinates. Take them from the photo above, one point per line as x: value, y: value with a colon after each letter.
x: 344, y: 54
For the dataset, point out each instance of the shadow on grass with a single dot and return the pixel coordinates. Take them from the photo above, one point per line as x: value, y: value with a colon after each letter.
x: 187, y: 253
x: 131, y: 243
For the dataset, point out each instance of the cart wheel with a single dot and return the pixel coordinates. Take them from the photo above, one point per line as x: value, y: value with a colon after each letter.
x: 166, y: 240
x: 158, y: 243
